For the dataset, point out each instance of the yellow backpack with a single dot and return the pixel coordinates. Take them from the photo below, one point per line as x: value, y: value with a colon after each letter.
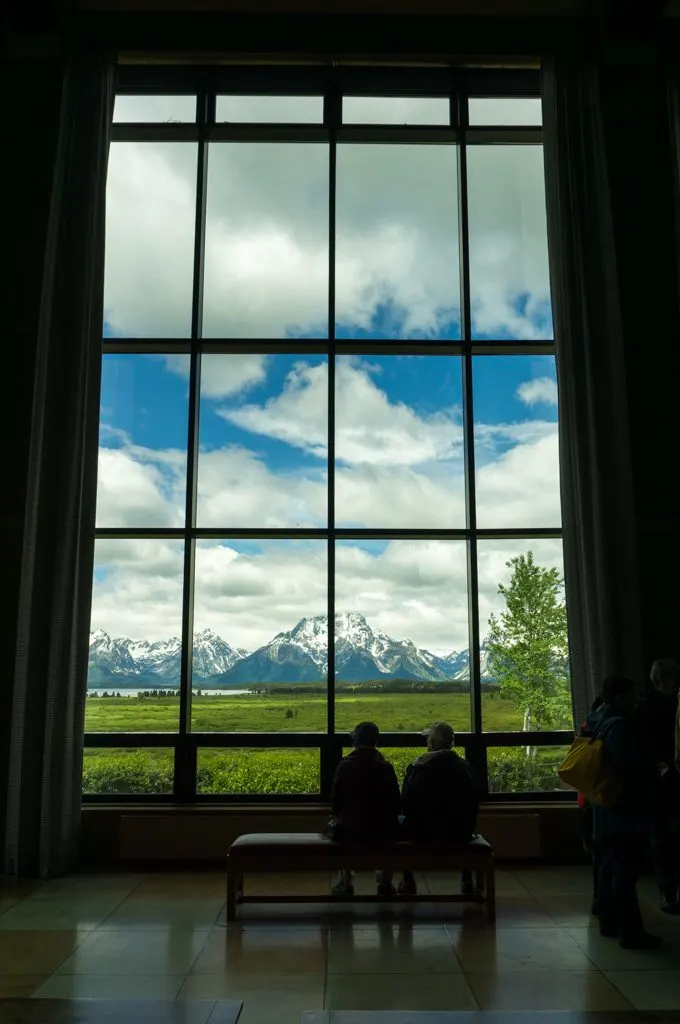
x: 585, y: 768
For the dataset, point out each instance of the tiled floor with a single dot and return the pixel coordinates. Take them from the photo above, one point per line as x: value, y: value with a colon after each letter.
x: 165, y: 938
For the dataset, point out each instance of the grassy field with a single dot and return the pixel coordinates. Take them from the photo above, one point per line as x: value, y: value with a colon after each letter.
x: 289, y: 771
x: 394, y: 712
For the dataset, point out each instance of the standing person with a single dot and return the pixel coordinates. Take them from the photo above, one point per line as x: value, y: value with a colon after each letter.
x: 622, y: 830
x: 439, y: 799
x: 658, y: 713
x: 586, y: 808
x: 365, y: 802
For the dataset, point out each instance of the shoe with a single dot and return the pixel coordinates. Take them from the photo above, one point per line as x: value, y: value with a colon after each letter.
x: 407, y: 888
x: 386, y: 889
x: 669, y: 900
x: 643, y: 940
x: 608, y: 931
x: 340, y: 891
x: 467, y: 887
x: 670, y: 908
x: 595, y: 908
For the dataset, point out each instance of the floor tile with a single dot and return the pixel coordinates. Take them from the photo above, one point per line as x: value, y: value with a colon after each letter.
x: 115, y: 1011
x: 398, y: 992
x: 305, y: 883
x: 545, y: 990
x: 283, y: 999
x: 649, y: 990
x: 607, y: 955
x: 507, y: 884
x: 169, y: 951
x: 390, y: 949
x: 513, y: 949
x: 58, y: 915
x: 182, y: 887
x: 158, y: 913
x: 511, y: 912
x: 280, y: 951
x: 19, y: 986
x: 87, y: 885
x: 97, y: 986
x: 26, y: 952
x: 556, y: 880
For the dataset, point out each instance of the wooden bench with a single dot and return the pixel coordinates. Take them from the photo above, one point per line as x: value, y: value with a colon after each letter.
x: 267, y: 852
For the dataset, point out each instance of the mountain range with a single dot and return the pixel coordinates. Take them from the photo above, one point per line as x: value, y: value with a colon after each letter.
x: 298, y: 655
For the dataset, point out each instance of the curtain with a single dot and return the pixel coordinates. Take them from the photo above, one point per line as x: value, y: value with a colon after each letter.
x: 598, y: 517
x: 673, y: 93
x: 48, y: 699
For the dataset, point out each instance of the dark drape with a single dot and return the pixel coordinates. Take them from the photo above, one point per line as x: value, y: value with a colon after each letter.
x: 48, y: 695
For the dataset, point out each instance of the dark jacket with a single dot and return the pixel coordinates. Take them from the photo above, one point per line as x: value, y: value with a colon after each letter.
x: 439, y: 798
x: 656, y: 716
x: 365, y: 796
x: 629, y: 761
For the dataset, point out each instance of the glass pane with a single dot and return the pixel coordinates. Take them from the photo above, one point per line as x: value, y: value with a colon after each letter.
x: 128, y: 770
x: 270, y: 109
x: 522, y: 112
x: 396, y: 110
x: 526, y: 769
x: 399, y: 442
x: 282, y: 770
x: 154, y: 109
x: 401, y: 634
x: 266, y: 257
x: 135, y: 630
x: 509, y: 279
x: 397, y: 242
x: 516, y: 442
x: 263, y: 441
x: 150, y: 219
x: 523, y: 625
x: 142, y: 441
x: 260, y: 636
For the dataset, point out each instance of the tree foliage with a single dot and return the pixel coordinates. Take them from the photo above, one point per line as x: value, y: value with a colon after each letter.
x: 528, y: 645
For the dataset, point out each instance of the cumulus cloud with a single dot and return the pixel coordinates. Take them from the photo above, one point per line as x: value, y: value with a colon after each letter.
x: 222, y: 378
x: 539, y: 391
x: 266, y: 261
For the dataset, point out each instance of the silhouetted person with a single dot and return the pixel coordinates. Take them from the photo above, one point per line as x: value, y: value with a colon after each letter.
x: 586, y: 808
x: 622, y: 830
x: 365, y: 801
x: 657, y: 722
x: 439, y: 799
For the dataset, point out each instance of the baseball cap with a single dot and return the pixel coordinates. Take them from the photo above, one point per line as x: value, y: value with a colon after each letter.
x: 440, y: 735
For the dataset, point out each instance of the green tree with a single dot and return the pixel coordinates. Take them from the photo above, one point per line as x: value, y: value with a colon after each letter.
x: 528, y: 646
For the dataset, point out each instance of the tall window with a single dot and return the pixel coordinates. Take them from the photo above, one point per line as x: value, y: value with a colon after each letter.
x: 328, y: 467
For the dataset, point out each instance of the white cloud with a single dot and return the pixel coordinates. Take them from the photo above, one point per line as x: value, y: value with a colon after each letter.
x: 220, y: 377
x: 539, y: 391
x: 267, y: 238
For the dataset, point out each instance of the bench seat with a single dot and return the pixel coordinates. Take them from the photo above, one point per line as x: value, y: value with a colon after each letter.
x: 266, y: 852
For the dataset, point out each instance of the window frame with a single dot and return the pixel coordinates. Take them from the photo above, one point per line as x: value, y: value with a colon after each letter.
x: 333, y: 83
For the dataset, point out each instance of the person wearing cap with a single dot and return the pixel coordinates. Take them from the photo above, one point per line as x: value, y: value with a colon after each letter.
x: 365, y: 802
x: 439, y: 799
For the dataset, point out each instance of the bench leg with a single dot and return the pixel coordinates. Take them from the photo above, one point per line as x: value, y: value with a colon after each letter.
x: 490, y: 894
x: 234, y: 887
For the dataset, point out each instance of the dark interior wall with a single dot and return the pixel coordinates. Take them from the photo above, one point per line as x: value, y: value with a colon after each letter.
x: 638, y: 144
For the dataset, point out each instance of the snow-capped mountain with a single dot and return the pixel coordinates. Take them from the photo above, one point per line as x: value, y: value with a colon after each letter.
x: 297, y: 655
x: 126, y: 662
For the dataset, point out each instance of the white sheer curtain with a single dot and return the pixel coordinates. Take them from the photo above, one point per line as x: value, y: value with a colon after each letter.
x: 47, y: 709
x: 600, y: 543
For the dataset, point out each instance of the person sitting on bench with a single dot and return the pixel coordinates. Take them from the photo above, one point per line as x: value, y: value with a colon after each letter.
x: 365, y: 802
x: 439, y: 800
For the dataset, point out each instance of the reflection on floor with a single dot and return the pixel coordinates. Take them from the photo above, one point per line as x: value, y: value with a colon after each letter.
x: 165, y: 938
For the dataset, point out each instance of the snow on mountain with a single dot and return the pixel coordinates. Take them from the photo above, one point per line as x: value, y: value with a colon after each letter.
x: 296, y: 655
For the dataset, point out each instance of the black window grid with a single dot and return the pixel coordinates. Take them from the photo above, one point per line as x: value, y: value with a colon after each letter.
x: 332, y: 84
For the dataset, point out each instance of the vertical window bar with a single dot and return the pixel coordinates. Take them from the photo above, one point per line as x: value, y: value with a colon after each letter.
x: 185, y: 785
x: 332, y: 114
x: 468, y: 424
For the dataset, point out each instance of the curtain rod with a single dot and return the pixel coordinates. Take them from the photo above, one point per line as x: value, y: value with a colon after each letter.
x: 517, y: 63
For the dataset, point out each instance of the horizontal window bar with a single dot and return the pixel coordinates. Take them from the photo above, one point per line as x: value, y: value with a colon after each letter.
x: 224, y: 346
x: 131, y: 739
x: 269, y: 133
x: 503, y: 136
x: 140, y: 132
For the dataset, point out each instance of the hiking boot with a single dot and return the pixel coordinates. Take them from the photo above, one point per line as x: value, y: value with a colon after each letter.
x: 595, y: 908
x: 467, y: 887
x: 407, y: 887
x: 642, y: 940
x: 342, y: 891
x: 386, y: 889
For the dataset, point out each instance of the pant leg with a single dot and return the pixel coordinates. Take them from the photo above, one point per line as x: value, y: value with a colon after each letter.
x: 620, y: 864
x: 664, y: 855
x: 596, y: 854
